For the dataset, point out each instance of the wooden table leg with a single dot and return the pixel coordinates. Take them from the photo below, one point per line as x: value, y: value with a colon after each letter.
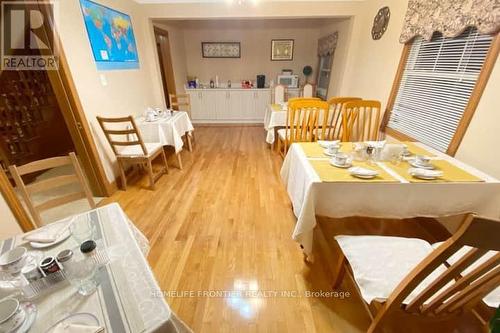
x: 179, y: 160
x: 190, y: 145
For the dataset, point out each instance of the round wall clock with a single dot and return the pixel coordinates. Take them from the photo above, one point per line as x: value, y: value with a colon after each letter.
x: 380, y: 22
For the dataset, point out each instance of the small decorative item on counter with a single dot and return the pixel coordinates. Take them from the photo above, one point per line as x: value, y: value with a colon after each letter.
x: 229, y: 83
x: 49, y: 265
x: 192, y: 84
x: 64, y: 256
x: 212, y: 84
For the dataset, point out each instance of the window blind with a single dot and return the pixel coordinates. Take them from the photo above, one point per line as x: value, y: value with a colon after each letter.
x: 436, y: 86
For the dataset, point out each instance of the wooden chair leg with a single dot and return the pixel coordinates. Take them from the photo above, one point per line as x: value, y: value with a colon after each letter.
x: 179, y: 160
x: 123, y: 177
x: 190, y: 145
x: 151, y: 175
x: 165, y: 161
x: 338, y: 275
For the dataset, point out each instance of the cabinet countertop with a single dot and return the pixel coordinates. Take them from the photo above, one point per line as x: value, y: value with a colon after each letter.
x: 227, y: 89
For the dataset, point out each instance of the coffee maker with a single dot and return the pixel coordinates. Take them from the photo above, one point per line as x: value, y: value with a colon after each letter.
x: 261, y: 81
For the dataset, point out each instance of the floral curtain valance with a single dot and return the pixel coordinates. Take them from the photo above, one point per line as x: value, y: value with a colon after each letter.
x: 450, y: 17
x: 327, y: 44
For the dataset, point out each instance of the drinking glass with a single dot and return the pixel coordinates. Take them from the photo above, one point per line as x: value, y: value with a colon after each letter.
x: 82, y: 229
x: 81, y: 274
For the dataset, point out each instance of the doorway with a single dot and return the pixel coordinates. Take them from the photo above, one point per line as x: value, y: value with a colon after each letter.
x: 41, y: 116
x: 165, y: 61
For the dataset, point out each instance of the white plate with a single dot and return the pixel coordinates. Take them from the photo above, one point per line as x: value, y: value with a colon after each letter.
x: 425, y: 174
x: 343, y: 166
x: 31, y: 311
x: 415, y: 164
x: 363, y: 173
x: 61, y: 238
x: 82, y: 318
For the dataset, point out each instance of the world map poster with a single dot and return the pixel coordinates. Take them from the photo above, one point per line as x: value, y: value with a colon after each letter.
x: 111, y: 37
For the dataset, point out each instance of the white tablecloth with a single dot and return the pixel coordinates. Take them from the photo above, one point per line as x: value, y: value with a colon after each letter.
x: 311, y: 197
x: 168, y: 131
x: 128, y: 298
x: 273, y: 119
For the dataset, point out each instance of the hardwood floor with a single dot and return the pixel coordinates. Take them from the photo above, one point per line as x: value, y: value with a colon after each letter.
x: 224, y: 223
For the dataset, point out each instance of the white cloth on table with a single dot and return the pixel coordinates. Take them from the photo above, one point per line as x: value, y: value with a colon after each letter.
x: 128, y: 297
x: 493, y: 298
x: 311, y: 197
x: 273, y: 119
x: 167, y: 131
x: 380, y: 263
x: 48, y: 234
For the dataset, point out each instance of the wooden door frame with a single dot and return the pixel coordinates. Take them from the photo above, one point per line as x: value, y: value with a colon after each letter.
x: 78, y: 127
x: 167, y: 69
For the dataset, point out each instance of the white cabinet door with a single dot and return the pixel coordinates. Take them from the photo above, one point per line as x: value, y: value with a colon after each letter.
x: 235, y: 105
x: 222, y: 105
x: 196, y: 105
x: 248, y: 98
x: 208, y: 105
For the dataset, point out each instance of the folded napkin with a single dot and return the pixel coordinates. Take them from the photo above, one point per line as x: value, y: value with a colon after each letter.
x: 47, y: 234
x: 418, y: 172
x: 77, y: 328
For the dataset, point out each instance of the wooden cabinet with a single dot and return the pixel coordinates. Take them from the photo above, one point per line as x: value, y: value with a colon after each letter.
x: 229, y: 105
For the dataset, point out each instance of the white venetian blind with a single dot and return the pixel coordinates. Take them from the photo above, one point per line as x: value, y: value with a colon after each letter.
x: 436, y: 86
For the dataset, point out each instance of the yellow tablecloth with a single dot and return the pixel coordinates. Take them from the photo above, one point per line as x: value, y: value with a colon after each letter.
x: 329, y: 173
x: 314, y: 150
x: 451, y: 173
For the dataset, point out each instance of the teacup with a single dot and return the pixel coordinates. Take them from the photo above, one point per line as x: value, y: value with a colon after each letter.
x: 341, y: 159
x: 12, y: 315
x: 332, y: 149
x: 422, y: 160
x: 13, y: 261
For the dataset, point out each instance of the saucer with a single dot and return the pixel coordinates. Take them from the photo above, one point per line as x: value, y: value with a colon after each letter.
x: 342, y: 166
x: 81, y: 318
x: 327, y: 153
x: 415, y: 164
x: 31, y: 311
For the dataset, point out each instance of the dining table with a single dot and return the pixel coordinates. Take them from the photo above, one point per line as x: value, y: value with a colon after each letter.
x: 274, y: 119
x: 168, y: 129
x: 128, y: 298
x: 317, y: 188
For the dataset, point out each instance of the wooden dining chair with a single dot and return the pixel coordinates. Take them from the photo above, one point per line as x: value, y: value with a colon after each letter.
x: 128, y: 146
x: 331, y: 128
x: 412, y: 277
x: 28, y: 190
x: 308, y: 90
x: 361, y: 120
x: 279, y: 94
x: 301, y: 123
x: 182, y: 102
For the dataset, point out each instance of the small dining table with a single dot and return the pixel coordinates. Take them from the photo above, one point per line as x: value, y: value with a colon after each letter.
x: 274, y: 118
x: 128, y: 298
x: 168, y: 130
x: 317, y: 188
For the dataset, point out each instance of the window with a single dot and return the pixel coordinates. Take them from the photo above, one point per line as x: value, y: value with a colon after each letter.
x: 325, y: 64
x: 436, y: 86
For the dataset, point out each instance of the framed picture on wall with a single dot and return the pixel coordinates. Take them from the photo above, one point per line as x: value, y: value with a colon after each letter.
x: 282, y: 49
x: 221, y: 49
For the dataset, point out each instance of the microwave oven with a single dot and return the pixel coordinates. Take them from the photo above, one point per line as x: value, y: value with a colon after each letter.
x: 290, y: 81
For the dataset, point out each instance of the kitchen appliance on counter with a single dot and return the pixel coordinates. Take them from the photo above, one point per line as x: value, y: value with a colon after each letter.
x: 261, y: 81
x: 290, y: 81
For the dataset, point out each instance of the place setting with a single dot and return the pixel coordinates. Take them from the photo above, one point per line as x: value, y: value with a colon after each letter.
x: 57, y: 262
x: 154, y: 114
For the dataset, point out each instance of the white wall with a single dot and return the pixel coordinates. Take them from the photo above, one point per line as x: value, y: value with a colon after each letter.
x: 128, y: 91
x: 8, y: 223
